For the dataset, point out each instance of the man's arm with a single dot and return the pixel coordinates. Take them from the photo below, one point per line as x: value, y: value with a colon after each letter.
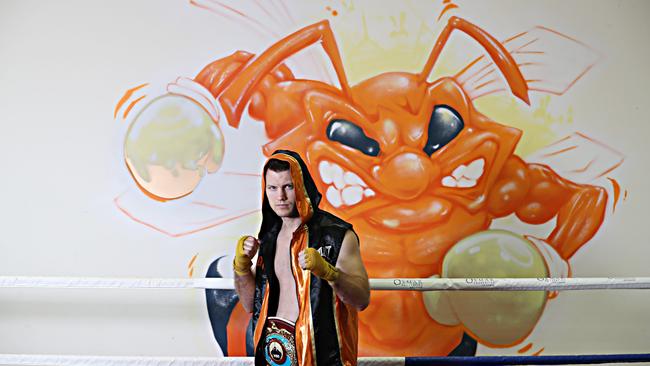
x: 244, y: 275
x: 245, y: 287
x: 352, y: 284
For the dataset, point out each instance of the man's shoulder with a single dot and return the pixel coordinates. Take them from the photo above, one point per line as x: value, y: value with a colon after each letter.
x: 329, y: 232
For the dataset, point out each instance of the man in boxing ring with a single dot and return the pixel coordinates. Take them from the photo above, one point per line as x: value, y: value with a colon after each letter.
x: 308, y: 282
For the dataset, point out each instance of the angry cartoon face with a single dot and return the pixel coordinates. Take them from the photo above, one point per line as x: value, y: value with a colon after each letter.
x: 408, y: 154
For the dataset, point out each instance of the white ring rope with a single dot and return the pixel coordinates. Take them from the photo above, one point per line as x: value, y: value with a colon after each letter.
x: 77, y: 360
x: 412, y: 284
x: 116, y: 283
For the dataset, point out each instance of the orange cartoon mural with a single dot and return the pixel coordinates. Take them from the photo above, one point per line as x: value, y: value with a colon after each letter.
x: 413, y: 164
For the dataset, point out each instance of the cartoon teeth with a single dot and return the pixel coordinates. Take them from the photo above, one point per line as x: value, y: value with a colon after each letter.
x: 344, y: 188
x: 465, y: 176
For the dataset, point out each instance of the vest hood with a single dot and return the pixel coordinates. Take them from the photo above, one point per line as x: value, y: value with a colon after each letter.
x: 307, y: 195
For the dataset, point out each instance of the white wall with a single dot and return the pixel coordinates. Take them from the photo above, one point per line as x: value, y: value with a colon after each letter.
x: 65, y: 64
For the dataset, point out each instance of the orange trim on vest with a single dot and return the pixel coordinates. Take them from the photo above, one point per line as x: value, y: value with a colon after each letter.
x: 304, y: 328
x: 346, y: 318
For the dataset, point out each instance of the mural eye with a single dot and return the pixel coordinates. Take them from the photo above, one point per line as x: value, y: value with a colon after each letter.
x: 445, y: 124
x: 351, y: 135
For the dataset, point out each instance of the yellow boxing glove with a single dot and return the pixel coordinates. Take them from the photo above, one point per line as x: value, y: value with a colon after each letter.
x: 315, y: 263
x: 242, y: 263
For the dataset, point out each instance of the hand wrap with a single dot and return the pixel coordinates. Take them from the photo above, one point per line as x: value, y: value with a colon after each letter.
x: 242, y: 263
x: 315, y: 263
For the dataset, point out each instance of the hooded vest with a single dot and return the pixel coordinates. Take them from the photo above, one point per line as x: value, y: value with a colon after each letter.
x: 326, y: 328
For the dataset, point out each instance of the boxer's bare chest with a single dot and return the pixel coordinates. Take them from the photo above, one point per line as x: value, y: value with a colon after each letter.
x: 288, y: 301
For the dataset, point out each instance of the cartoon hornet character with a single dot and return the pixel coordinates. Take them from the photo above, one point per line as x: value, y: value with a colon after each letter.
x: 421, y: 174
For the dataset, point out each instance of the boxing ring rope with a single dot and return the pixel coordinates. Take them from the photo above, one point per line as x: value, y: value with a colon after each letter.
x: 74, y: 360
x: 389, y: 284
x: 410, y: 284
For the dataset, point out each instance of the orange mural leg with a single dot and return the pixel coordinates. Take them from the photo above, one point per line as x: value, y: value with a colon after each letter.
x: 236, y: 331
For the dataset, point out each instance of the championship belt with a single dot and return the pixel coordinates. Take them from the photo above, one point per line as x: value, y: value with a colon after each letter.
x: 279, y: 343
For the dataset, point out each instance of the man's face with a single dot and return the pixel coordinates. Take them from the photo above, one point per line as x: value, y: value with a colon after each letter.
x: 280, y: 193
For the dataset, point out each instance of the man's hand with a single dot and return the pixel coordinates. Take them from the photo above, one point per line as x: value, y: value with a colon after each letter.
x: 246, y: 249
x: 311, y: 260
